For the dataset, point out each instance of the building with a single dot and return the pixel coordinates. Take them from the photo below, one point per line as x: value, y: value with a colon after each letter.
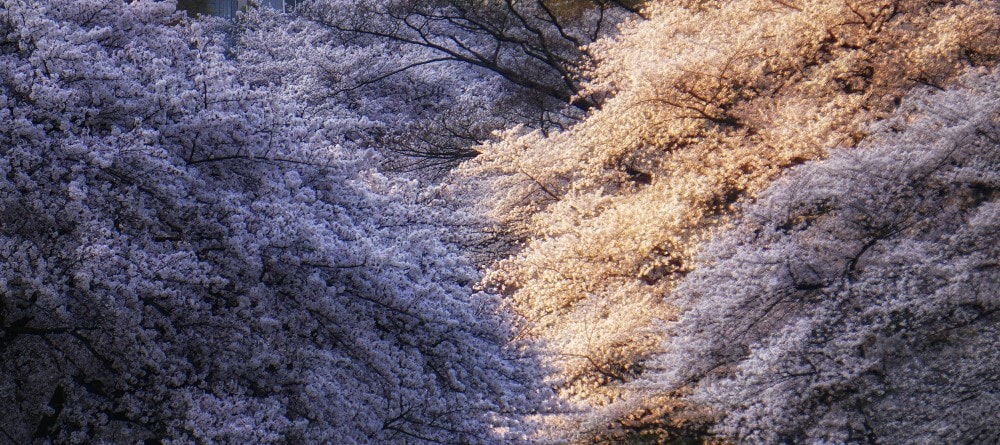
x: 228, y: 8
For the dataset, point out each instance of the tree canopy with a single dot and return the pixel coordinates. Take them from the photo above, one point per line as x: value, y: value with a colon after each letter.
x: 429, y: 81
x: 709, y: 102
x: 856, y: 300
x: 757, y: 221
x: 190, y: 258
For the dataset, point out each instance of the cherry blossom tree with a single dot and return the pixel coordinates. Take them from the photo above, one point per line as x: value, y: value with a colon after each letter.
x: 857, y: 300
x: 188, y: 256
x: 431, y: 80
x: 708, y: 102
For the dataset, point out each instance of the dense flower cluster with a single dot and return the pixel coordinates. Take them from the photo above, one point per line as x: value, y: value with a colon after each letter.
x: 856, y: 301
x: 709, y: 103
x: 763, y: 221
x: 189, y: 258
